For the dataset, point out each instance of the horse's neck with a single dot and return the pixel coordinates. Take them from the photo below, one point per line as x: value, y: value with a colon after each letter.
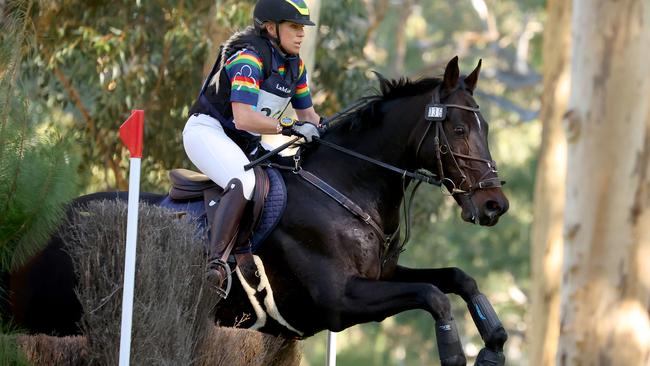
x: 374, y: 188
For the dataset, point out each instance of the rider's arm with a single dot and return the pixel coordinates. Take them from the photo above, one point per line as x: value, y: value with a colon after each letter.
x: 309, y: 115
x: 301, y: 101
x: 245, y: 72
x: 247, y: 119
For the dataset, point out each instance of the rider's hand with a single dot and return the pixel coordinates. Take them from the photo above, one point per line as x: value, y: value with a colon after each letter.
x: 304, y: 129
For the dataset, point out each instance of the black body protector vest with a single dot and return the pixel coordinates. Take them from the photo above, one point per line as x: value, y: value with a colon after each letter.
x: 275, y: 92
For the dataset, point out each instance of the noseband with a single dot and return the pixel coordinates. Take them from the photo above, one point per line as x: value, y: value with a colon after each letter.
x: 436, y: 113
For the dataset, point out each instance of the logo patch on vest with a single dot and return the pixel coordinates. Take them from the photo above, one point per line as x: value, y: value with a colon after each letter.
x: 283, y: 89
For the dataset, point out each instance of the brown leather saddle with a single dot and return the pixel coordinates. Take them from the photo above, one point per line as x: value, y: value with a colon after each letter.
x: 188, y: 185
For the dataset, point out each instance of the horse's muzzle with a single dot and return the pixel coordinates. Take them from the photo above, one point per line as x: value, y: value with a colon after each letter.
x: 492, y: 210
x: 484, y: 207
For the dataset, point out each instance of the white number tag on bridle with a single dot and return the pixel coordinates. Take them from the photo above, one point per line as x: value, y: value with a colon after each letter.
x: 436, y: 112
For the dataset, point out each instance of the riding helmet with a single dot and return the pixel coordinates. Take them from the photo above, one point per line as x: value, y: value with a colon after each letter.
x: 277, y: 11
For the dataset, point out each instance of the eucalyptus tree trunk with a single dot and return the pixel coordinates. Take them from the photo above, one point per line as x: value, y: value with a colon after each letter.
x: 217, y: 35
x: 605, y: 280
x: 308, y: 49
x: 547, y: 241
x: 405, y: 8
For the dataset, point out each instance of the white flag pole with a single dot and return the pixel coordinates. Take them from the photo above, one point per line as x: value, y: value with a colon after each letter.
x: 331, y: 349
x: 129, y: 262
x: 131, y: 133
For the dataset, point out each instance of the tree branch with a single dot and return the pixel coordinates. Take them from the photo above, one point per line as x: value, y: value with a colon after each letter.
x: 376, y: 17
x: 400, y: 37
x: 514, y: 80
x: 525, y: 115
x: 114, y: 164
x: 76, y: 99
x: 528, y: 31
x: 217, y: 34
x: 165, y: 56
x: 90, y: 125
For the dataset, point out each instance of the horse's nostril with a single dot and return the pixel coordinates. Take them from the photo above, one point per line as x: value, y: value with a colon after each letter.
x: 492, y: 208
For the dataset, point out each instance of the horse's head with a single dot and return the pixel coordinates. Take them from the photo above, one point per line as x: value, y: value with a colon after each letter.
x: 455, y: 146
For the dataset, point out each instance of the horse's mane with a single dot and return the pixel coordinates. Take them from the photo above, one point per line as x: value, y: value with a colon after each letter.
x: 405, y: 87
x: 389, y: 89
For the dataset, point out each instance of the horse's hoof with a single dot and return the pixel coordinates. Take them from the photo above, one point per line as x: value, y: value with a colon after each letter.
x: 497, y: 338
x: 457, y: 360
x: 488, y: 357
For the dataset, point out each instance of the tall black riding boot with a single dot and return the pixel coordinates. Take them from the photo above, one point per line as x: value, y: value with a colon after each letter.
x: 223, y: 232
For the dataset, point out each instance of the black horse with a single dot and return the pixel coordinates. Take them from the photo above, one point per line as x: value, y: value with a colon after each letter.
x: 330, y: 264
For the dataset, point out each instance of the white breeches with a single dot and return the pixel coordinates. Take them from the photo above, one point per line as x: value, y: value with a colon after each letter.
x: 215, y: 154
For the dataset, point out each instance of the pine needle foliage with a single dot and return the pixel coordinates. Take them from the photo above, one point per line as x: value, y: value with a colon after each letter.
x: 36, y: 170
x: 10, y: 354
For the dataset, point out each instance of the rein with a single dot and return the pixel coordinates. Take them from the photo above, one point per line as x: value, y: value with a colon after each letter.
x: 420, y: 175
x: 327, y: 124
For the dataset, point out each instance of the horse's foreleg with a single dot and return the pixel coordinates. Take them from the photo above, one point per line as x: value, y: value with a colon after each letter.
x: 454, y: 280
x: 367, y: 300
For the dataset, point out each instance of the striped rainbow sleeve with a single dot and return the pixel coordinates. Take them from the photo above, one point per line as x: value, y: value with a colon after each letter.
x: 302, y: 98
x: 244, y: 69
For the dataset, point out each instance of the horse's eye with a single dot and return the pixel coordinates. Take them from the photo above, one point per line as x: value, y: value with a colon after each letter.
x: 459, y: 130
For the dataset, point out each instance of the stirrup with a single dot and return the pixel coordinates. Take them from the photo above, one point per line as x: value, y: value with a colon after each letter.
x: 214, y: 265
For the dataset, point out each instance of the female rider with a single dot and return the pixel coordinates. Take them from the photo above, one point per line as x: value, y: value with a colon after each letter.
x: 256, y: 76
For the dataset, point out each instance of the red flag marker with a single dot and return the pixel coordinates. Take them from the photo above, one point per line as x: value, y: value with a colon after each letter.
x: 132, y: 133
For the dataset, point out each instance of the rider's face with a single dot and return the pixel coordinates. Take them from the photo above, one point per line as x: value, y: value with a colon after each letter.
x: 291, y: 36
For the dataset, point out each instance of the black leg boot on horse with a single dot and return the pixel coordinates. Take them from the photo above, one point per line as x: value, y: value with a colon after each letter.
x: 223, y: 234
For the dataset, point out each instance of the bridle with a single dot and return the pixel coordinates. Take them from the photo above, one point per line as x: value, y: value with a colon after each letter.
x: 436, y: 113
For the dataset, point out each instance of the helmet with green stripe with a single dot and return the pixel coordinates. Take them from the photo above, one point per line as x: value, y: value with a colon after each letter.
x: 277, y: 11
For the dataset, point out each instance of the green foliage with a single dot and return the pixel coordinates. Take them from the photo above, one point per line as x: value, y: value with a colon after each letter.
x: 10, y: 353
x: 149, y: 55
x: 234, y: 14
x: 36, y: 178
x: 119, y: 56
x: 341, y: 73
x: 36, y: 170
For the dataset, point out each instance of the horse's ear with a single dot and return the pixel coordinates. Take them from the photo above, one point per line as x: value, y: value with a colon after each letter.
x: 472, y: 79
x: 383, y: 82
x: 451, y: 74
x: 379, y: 75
